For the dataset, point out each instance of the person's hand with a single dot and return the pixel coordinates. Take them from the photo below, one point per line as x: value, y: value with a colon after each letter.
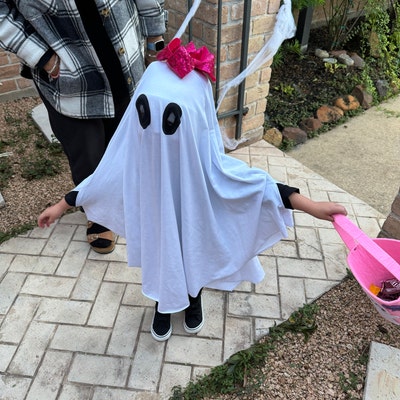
x: 52, y: 213
x: 318, y: 209
x: 326, y: 209
x: 150, y: 56
x: 52, y: 67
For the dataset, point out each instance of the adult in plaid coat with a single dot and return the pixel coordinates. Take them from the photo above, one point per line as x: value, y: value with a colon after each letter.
x: 85, y: 58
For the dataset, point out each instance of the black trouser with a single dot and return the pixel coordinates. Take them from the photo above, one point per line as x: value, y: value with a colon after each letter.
x: 84, y: 140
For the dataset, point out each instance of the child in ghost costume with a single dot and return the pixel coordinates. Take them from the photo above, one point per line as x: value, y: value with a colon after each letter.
x: 192, y: 216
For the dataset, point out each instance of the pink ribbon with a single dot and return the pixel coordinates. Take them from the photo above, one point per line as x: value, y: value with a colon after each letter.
x: 184, y: 59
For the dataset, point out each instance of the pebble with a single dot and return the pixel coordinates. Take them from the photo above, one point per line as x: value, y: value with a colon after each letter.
x: 358, y: 61
x: 329, y: 60
x: 321, y: 53
x: 346, y: 60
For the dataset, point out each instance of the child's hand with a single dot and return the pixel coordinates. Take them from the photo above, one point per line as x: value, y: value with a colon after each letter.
x: 51, y: 214
x: 318, y: 209
x: 326, y: 210
x: 48, y: 216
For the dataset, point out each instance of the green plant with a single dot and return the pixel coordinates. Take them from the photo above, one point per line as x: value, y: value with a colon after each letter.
x: 37, y: 167
x: 54, y: 148
x: 349, y: 274
x: 301, y: 321
x: 363, y: 355
x: 342, y: 17
x: 37, y: 157
x: 367, y: 81
x: 278, y: 59
x: 332, y: 68
x: 3, y: 145
x: 291, y: 46
x: 300, y: 4
x: 287, y: 145
x: 22, y: 133
x: 349, y: 383
x: 286, y: 89
x: 11, y: 120
x: 395, y: 29
x: 5, y: 171
x: 16, y: 231
x: 380, y: 32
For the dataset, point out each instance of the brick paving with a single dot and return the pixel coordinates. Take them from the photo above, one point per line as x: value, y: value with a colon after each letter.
x: 75, y: 325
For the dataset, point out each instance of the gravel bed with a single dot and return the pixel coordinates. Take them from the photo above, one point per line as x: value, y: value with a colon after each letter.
x: 24, y: 200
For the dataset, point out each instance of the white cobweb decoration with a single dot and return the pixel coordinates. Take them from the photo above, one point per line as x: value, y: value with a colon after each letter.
x: 284, y: 28
x: 187, y: 19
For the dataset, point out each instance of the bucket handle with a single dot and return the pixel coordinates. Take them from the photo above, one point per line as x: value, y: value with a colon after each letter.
x: 353, y: 236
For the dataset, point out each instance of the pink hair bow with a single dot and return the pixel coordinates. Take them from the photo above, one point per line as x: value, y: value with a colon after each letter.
x: 184, y: 59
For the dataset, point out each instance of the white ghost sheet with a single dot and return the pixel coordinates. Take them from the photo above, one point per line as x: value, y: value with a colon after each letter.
x: 192, y: 215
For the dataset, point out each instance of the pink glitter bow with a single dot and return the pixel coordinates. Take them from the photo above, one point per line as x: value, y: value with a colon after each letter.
x: 183, y: 59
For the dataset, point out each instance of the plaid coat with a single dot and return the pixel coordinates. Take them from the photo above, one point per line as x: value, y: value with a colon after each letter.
x: 31, y: 29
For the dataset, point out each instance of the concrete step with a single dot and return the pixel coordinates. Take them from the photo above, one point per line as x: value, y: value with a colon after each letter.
x: 41, y: 119
x: 383, y: 373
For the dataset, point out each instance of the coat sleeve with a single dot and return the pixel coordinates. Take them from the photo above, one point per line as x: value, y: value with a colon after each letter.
x: 17, y: 35
x: 70, y: 198
x: 285, y: 191
x: 152, y: 17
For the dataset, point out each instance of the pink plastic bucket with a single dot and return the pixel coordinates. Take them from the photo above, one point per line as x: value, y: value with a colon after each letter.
x: 371, y: 261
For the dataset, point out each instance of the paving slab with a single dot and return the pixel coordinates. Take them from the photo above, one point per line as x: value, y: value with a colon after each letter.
x: 41, y: 119
x: 383, y: 373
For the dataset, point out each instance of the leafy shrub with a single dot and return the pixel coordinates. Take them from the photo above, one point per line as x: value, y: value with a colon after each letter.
x: 36, y: 157
x: 5, y: 171
x: 37, y: 167
x: 300, y: 4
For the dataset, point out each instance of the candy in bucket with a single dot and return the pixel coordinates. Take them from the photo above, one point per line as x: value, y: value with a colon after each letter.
x: 375, y: 265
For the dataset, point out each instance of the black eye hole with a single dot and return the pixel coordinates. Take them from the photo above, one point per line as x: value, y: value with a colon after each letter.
x: 171, y: 118
x: 143, y: 109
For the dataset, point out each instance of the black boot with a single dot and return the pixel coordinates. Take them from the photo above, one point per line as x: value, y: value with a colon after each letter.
x: 161, y: 328
x: 194, y: 319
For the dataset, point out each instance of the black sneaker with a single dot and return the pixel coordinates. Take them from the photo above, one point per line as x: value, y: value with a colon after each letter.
x: 194, y: 319
x: 161, y: 328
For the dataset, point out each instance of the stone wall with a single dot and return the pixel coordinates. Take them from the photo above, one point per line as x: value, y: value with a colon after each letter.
x: 391, y: 227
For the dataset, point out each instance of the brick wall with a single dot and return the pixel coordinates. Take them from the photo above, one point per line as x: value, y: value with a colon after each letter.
x: 11, y: 81
x: 391, y: 227
x: 204, y: 32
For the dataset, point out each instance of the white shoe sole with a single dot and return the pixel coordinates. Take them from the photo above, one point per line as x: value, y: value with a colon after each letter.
x: 162, y: 338
x: 193, y: 330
